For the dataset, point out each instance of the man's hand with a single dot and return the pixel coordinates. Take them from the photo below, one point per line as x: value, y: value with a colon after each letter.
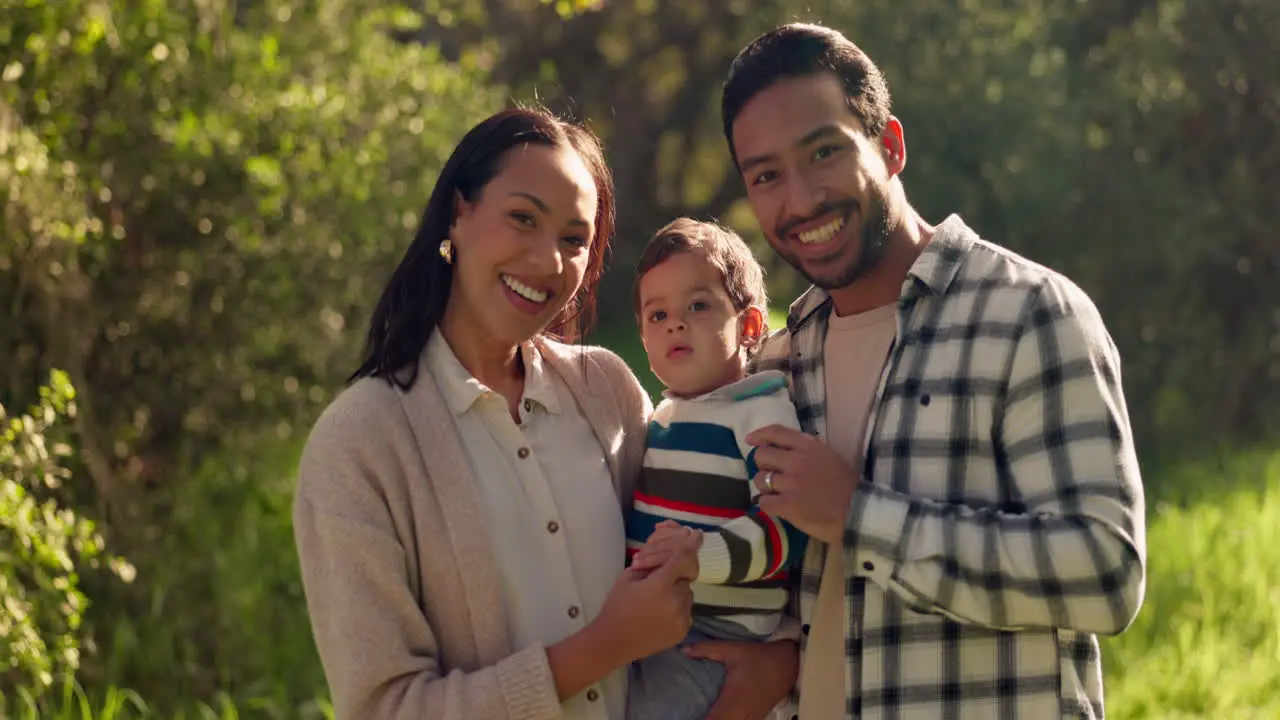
x: 812, y: 485
x: 670, y: 542
x: 758, y: 676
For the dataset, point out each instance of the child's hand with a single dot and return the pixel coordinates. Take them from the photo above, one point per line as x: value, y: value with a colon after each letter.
x: 668, y: 529
x: 670, y: 542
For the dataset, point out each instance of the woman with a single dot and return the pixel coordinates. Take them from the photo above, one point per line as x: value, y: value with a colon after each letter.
x: 459, y: 512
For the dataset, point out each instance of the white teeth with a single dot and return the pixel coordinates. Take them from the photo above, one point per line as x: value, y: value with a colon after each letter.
x: 524, y: 291
x: 822, y: 234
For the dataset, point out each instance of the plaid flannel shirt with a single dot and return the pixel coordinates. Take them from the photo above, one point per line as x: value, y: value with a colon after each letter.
x: 999, y: 524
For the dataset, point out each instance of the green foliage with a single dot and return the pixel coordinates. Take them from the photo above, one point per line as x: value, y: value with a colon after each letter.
x: 224, y: 610
x: 43, y: 547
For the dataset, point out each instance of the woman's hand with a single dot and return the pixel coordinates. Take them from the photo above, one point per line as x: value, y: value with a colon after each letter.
x: 646, y: 612
x: 758, y: 676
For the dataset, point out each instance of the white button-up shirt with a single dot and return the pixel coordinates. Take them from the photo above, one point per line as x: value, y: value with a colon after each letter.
x: 554, y: 519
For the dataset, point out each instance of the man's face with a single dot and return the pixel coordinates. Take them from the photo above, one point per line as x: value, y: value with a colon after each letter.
x: 817, y: 183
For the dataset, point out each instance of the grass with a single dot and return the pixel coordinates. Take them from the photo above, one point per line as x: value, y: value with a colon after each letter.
x: 1207, y: 642
x: 72, y: 702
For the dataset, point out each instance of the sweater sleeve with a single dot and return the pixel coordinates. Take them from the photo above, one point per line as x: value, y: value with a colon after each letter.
x: 756, y: 546
x: 379, y: 651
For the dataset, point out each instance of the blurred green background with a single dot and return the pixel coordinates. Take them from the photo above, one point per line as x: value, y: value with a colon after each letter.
x: 202, y: 198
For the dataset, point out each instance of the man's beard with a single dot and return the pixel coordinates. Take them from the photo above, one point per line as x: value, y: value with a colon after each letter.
x: 877, y: 225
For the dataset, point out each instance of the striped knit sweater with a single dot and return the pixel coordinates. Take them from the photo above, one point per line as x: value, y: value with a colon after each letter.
x: 697, y: 471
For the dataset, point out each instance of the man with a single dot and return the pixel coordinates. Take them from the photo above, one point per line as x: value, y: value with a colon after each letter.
x: 967, y: 469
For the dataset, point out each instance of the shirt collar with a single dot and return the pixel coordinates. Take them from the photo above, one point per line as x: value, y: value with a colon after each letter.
x: 933, y: 271
x: 537, y: 379
x: 461, y: 389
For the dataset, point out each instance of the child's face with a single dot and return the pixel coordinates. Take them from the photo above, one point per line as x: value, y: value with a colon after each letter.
x: 689, y: 327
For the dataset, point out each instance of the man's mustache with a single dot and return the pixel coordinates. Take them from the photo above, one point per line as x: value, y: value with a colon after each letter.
x: 844, y: 207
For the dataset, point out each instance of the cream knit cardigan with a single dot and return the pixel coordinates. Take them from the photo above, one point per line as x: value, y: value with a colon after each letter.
x: 401, y: 583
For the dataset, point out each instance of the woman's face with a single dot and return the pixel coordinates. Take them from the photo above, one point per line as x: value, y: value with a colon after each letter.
x: 521, y: 246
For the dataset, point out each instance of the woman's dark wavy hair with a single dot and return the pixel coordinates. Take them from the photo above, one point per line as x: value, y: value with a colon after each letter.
x: 414, y: 299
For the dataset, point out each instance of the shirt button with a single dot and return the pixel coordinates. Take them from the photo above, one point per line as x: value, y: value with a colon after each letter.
x: 592, y: 695
x: 868, y: 566
x: 573, y: 611
x: 553, y: 527
x: 523, y: 453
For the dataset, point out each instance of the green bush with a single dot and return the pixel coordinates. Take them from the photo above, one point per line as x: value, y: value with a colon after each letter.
x: 43, y: 547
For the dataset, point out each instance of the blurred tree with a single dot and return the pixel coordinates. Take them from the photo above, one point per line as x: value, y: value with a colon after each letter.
x: 645, y: 74
x: 1129, y: 144
x: 197, y: 210
x: 201, y: 200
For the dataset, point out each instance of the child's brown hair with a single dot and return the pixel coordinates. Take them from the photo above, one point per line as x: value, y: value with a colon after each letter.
x: 727, y: 252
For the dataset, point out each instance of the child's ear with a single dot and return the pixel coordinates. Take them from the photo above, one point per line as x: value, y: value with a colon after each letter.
x: 750, y: 327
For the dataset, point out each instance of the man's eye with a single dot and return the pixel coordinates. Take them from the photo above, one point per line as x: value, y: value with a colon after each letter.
x: 764, y: 177
x: 825, y: 151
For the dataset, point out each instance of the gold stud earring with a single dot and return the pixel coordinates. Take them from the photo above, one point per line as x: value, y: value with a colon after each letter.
x: 446, y: 250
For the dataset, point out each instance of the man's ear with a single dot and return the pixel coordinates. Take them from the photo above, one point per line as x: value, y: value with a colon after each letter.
x: 894, y: 144
x: 750, y: 327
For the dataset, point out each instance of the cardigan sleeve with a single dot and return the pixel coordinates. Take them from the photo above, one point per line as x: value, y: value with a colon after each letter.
x: 379, y: 651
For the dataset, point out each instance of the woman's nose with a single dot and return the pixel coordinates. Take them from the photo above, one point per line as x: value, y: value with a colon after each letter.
x: 545, y: 256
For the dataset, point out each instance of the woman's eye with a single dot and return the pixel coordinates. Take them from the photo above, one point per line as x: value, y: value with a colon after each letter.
x: 523, y: 218
x: 576, y: 241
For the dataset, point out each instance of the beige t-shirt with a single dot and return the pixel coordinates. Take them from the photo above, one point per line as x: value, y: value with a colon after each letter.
x: 550, y: 507
x: 854, y: 355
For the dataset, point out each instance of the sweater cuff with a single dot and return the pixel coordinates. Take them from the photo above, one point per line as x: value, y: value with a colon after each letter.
x: 714, y: 562
x: 527, y: 684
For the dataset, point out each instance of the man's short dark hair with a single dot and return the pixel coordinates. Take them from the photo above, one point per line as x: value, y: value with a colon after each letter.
x: 798, y: 50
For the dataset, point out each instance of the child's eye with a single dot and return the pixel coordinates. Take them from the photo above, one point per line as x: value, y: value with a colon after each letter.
x: 698, y: 306
x: 657, y: 316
